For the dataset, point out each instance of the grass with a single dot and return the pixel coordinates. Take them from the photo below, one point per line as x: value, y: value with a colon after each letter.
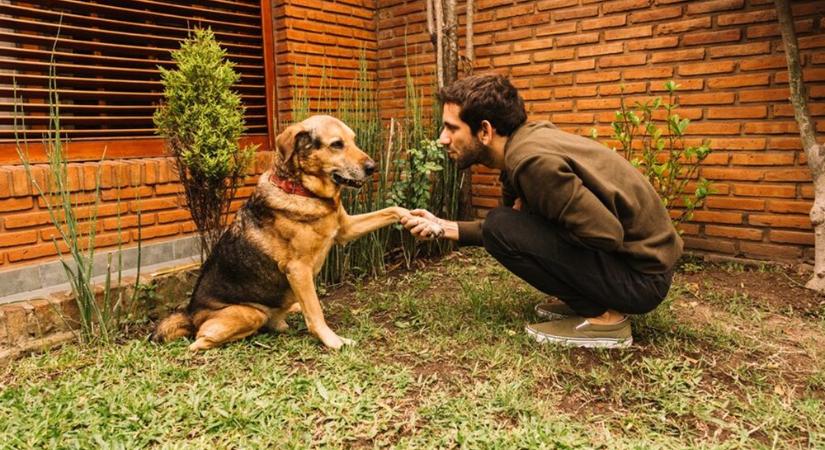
x: 441, y: 362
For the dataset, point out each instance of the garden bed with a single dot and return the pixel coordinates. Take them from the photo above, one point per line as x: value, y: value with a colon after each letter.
x: 734, y: 358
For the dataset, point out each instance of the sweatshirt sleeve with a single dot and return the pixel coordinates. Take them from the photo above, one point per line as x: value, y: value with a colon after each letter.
x: 469, y: 233
x: 551, y: 188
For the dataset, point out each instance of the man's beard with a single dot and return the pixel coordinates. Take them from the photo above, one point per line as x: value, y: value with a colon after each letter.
x: 474, y: 153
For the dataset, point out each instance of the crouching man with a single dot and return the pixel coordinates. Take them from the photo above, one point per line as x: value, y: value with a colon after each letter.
x: 579, y: 223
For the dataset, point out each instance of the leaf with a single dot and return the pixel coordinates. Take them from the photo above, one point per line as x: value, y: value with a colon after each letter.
x: 322, y: 391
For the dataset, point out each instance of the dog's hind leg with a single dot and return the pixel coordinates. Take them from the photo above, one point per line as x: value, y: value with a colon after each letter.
x: 277, y: 321
x: 228, y: 324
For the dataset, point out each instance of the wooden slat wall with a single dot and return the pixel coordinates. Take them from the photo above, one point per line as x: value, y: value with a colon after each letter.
x: 106, y: 60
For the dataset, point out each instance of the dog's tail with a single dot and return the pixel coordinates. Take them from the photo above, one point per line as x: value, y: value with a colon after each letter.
x: 178, y: 325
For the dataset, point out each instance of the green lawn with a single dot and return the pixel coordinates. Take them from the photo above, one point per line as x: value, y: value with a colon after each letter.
x: 442, y: 362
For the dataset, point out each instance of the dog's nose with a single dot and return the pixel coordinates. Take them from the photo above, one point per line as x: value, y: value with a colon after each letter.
x: 369, y: 167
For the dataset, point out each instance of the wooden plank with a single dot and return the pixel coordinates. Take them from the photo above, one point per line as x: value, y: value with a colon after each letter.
x: 269, y: 69
x: 91, y: 150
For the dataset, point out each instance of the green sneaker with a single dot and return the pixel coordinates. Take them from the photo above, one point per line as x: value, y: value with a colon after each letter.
x: 554, y: 311
x: 579, y: 332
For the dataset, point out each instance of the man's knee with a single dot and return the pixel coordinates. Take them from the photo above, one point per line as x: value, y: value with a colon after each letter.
x: 494, y: 227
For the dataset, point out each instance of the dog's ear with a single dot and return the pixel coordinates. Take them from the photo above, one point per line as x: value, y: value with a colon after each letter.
x: 291, y: 139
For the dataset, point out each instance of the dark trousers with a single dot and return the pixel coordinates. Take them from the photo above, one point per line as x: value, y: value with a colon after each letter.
x: 589, y: 281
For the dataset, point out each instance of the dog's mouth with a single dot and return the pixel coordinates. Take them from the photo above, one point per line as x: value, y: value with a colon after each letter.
x: 345, y: 181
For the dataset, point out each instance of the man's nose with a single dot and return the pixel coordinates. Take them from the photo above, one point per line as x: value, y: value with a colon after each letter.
x: 369, y: 167
x: 443, y: 139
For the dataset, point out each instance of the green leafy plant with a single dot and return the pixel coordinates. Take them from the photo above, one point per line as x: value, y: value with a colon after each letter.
x: 101, y: 311
x: 414, y: 187
x: 202, y: 120
x: 658, y: 148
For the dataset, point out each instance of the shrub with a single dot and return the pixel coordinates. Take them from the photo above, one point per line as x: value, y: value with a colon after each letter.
x: 202, y: 120
x: 661, y: 153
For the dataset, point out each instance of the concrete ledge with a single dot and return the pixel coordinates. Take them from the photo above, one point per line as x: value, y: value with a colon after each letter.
x: 45, y: 278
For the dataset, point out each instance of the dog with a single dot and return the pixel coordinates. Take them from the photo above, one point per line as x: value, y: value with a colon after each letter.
x: 263, y: 266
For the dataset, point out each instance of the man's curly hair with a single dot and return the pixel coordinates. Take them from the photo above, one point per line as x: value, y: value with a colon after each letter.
x: 486, y: 97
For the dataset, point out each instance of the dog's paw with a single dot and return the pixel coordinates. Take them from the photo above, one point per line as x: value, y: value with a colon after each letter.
x: 348, y: 341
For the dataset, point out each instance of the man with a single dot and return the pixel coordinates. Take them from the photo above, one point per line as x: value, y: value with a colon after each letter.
x: 579, y: 223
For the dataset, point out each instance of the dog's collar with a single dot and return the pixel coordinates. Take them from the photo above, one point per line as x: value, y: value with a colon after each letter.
x: 290, y: 186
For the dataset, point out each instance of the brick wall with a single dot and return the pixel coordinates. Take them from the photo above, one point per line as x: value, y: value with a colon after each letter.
x: 319, y: 43
x: 148, y: 185
x: 570, y: 57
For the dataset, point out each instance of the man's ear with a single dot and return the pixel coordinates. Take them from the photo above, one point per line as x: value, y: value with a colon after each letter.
x: 294, y: 137
x: 485, y: 132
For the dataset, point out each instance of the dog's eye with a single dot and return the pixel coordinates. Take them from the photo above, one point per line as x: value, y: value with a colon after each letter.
x: 337, y: 145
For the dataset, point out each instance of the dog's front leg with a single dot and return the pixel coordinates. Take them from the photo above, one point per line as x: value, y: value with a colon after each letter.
x: 353, y: 227
x: 301, y: 281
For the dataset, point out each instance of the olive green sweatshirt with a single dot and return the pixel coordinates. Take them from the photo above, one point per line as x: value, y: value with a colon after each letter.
x: 598, y: 196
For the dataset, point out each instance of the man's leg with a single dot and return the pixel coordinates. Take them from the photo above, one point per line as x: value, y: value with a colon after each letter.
x: 587, y: 280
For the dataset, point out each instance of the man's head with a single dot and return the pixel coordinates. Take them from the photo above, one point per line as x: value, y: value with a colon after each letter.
x: 475, y: 109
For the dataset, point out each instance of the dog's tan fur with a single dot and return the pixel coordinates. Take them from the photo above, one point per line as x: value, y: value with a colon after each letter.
x: 294, y: 232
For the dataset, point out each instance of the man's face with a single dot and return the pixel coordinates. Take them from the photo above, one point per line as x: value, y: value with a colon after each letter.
x: 462, y: 146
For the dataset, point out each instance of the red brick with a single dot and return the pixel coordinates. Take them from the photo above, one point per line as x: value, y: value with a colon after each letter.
x: 572, y: 118
x: 747, y: 17
x: 35, y: 251
x: 756, y: 48
x: 738, y: 112
x: 513, y: 35
x: 549, y: 107
x: 808, y: 42
x: 16, y: 204
x: 781, y: 221
x: 597, y: 77
x: 598, y: 103
x: 722, y: 98
x: 174, y: 216
x: 157, y: 231
x: 603, y: 49
x: 646, y: 73
x: 556, y: 4
x: 620, y: 61
x: 535, y: 94
x: 511, y: 60
x: 124, y: 222
x: 739, y: 81
x: 764, y: 95
x: 5, y: 183
x: 629, y: 33
x: 682, y: 26
x: 582, y: 38
x: 555, y: 80
x: 750, y: 234
x: 679, y: 55
x: 550, y: 29
x: 715, y: 173
x: 486, y: 202
x: 789, y: 206
x: 18, y: 238
x: 627, y: 88
x: 713, y: 6
x: 648, y: 44
x: 153, y: 204
x: 791, y: 237
x: 554, y: 55
x: 745, y: 204
x: 656, y: 14
x: 574, y: 66
x: 765, y: 190
x: 774, y: 127
x: 764, y: 62
x: 577, y: 13
x: 711, y: 37
x: 535, y: 44
x: 603, y: 22
x: 803, y: 174
x: 711, y: 245
x: 713, y: 128
x: 127, y: 193
x: 738, y: 144
x: 624, y: 5
x: 763, y: 159
x: 717, y: 217
x: 586, y: 91
x: 774, y: 252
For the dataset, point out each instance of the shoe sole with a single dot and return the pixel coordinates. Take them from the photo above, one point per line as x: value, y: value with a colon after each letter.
x: 580, y: 342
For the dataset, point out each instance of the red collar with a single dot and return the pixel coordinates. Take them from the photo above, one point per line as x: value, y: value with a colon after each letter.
x: 290, y: 187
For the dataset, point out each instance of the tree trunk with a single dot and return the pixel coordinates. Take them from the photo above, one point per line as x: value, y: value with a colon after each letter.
x: 439, y: 43
x: 451, y: 43
x: 469, y: 49
x: 807, y: 131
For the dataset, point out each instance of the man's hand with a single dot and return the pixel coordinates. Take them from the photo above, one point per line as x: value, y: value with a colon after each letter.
x: 423, y: 224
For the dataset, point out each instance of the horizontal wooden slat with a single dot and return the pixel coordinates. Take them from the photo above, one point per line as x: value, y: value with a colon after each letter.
x: 227, y: 39
x: 101, y: 109
x: 61, y: 68
x: 97, y: 83
x: 36, y: 135
x: 81, y: 149
x: 67, y: 119
x: 132, y: 14
x: 25, y: 93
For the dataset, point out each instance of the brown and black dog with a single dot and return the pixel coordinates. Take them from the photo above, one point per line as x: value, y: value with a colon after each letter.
x: 263, y: 266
